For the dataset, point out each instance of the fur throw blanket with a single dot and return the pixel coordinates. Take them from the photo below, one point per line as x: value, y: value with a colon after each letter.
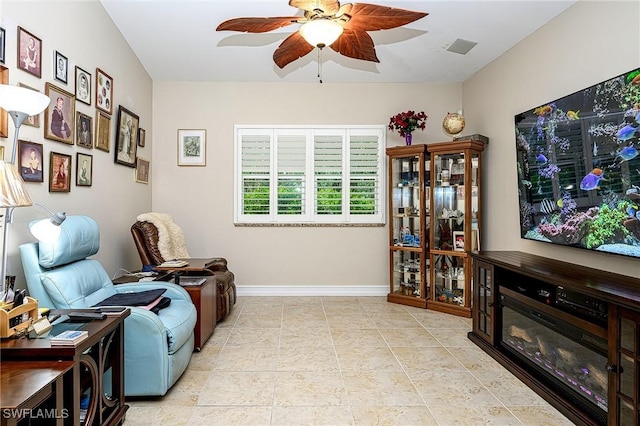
x: 171, y: 242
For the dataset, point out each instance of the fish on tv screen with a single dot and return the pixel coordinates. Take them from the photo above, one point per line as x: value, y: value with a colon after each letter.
x: 579, y: 168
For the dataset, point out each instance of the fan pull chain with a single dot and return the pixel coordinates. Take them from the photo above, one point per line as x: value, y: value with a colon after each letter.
x: 320, y: 65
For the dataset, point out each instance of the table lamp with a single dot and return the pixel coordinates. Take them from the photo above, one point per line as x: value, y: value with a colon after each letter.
x: 20, y: 103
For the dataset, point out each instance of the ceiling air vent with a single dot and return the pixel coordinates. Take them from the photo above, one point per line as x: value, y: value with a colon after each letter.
x: 461, y: 46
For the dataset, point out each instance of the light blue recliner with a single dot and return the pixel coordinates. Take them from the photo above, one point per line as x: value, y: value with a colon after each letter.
x: 157, y: 348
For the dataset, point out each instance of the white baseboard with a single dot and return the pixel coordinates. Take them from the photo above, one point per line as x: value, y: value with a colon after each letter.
x: 293, y: 290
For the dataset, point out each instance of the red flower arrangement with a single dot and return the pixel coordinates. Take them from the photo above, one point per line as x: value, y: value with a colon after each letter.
x: 407, y: 122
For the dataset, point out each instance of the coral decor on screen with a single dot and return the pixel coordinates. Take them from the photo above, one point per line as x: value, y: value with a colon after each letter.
x: 406, y: 122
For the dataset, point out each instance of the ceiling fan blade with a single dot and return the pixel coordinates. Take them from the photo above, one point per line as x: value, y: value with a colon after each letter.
x: 371, y: 17
x: 292, y: 48
x: 257, y: 25
x: 356, y: 44
x: 329, y: 7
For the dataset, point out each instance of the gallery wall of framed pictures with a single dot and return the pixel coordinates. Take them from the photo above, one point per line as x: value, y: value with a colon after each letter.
x: 70, y: 86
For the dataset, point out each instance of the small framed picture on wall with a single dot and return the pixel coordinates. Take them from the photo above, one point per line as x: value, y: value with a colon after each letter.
x: 83, y: 86
x: 103, y: 131
x: 192, y: 147
x: 127, y: 137
x: 84, y: 131
x: 104, y: 91
x: 142, y: 170
x: 84, y: 169
x: 59, y: 172
x: 59, y: 115
x: 29, y: 52
x: 61, y: 67
x: 2, y: 44
x: 31, y: 156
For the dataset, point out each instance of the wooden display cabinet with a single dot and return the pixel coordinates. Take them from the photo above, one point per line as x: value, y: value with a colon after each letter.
x: 455, y: 223
x: 408, y: 239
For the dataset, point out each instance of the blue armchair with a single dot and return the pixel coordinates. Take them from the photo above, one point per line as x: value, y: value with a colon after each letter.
x: 157, y: 348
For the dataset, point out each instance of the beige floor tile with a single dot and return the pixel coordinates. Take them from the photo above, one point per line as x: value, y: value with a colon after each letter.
x: 475, y: 359
x: 394, y: 320
x: 452, y: 388
x: 539, y: 416
x: 387, y: 388
x: 303, y: 320
x: 259, y: 320
x: 343, y: 309
x: 265, y: 337
x: 312, y: 416
x: 311, y: 359
x: 392, y: 416
x: 302, y: 300
x: 309, y: 389
x: 219, y: 336
x: 353, y: 358
x: 308, y: 337
x: 229, y: 388
x: 451, y: 415
x: 426, y: 359
x: 247, y: 358
x: 431, y: 319
x: 158, y: 415
x: 186, y: 390
x: 205, y: 359
x: 230, y: 416
x: 355, y: 337
x: 415, y: 337
x: 449, y: 337
x: 508, y: 389
x: 350, y: 321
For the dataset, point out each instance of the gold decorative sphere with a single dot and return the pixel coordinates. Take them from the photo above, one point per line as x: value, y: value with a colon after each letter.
x: 453, y: 123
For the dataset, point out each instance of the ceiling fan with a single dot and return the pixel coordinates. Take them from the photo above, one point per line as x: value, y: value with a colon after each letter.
x: 327, y: 23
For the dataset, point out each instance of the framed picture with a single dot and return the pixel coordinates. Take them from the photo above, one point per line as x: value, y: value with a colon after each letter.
x: 84, y: 130
x: 58, y: 121
x: 84, y: 169
x: 32, y: 120
x: 126, y: 138
x: 141, y: 137
x: 4, y: 115
x: 29, y: 52
x: 1, y: 153
x: 2, y: 44
x: 83, y: 86
x: 30, y: 160
x: 61, y: 67
x: 104, y: 91
x: 59, y: 172
x: 458, y: 240
x: 192, y: 147
x: 142, y: 170
x: 103, y: 131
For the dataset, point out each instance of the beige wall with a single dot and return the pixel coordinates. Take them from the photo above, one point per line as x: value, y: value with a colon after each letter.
x: 589, y: 43
x: 201, y: 198
x: 85, y: 34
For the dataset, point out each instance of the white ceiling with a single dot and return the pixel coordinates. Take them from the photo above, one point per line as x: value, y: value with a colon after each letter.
x: 176, y: 40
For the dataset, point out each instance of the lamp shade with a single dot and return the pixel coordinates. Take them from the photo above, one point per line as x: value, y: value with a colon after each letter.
x: 20, y: 99
x: 12, y: 190
x: 321, y: 32
x: 47, y: 230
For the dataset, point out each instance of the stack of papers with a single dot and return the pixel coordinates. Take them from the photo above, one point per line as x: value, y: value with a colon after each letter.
x: 176, y: 263
x: 69, y: 337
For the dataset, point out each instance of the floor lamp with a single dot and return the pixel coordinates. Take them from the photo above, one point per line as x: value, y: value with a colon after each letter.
x: 20, y: 103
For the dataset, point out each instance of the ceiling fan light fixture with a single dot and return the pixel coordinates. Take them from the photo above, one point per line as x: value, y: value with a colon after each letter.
x: 321, y: 32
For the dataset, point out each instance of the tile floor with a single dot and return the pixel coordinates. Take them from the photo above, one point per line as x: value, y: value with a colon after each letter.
x: 342, y: 361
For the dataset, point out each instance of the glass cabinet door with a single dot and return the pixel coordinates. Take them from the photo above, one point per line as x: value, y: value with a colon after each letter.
x: 406, y: 190
x: 407, y: 235
x: 449, y: 279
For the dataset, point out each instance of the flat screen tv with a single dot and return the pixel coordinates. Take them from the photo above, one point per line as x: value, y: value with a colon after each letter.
x: 579, y: 168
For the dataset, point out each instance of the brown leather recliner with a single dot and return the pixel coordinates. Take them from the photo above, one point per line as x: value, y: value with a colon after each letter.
x: 145, y: 235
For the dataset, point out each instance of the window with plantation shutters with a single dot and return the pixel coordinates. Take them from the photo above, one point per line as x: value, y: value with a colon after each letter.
x: 309, y: 175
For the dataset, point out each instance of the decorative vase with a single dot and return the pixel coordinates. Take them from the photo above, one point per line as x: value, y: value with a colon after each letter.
x: 408, y: 137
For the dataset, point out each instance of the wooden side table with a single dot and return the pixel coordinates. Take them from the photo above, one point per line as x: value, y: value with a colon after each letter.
x: 101, y: 351
x: 203, y: 297
x: 28, y: 385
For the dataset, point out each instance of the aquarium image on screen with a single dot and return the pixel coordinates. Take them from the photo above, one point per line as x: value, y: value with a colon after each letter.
x: 579, y: 168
